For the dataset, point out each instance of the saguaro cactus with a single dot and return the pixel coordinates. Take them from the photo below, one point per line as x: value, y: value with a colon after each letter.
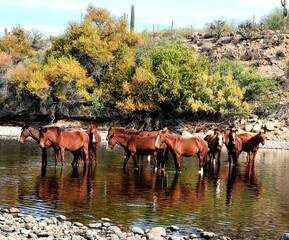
x: 284, y: 5
x: 132, y: 18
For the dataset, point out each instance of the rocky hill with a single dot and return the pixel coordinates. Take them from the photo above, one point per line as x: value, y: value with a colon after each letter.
x: 267, y: 52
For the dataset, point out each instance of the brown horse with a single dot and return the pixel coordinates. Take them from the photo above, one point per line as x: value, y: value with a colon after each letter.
x: 234, y: 146
x: 133, y: 145
x: 121, y: 130
x: 250, y: 144
x: 74, y: 141
x: 180, y: 146
x: 215, y: 144
x: 162, y: 152
x: 33, y: 132
x: 94, y: 142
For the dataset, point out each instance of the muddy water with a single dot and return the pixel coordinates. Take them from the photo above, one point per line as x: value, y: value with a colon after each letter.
x: 243, y: 202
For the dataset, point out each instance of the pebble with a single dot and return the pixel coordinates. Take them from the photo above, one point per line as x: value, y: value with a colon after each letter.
x: 21, y: 226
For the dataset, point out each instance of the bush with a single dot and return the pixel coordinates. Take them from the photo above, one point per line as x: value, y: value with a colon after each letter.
x: 218, y: 28
x: 275, y: 20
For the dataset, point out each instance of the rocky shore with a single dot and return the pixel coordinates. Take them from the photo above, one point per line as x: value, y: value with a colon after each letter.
x: 14, y: 225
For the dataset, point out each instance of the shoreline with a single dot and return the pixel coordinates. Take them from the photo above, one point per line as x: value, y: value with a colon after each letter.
x: 8, y: 132
x: 15, y: 225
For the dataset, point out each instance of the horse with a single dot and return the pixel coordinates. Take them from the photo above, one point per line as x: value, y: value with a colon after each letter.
x: 180, y: 146
x: 33, y: 132
x: 121, y: 130
x: 215, y: 144
x: 250, y: 144
x: 234, y: 146
x: 73, y: 140
x: 94, y: 141
x: 133, y: 145
x: 162, y: 152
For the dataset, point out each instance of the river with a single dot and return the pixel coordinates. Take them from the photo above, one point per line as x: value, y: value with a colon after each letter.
x: 246, y: 202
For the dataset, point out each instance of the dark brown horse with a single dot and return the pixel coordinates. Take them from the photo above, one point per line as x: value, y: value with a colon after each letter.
x: 34, y: 132
x: 234, y: 146
x: 74, y: 141
x: 94, y: 142
x: 250, y: 144
x: 215, y: 144
x: 186, y: 147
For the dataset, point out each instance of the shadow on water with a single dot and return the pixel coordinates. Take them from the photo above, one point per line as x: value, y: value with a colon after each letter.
x: 240, y: 202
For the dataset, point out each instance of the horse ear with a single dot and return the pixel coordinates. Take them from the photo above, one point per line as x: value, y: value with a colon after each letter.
x: 165, y: 129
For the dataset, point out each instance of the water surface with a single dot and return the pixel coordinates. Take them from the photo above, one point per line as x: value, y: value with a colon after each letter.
x: 242, y: 202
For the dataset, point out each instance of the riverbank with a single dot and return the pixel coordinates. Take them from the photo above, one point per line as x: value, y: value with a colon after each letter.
x: 14, y: 225
x: 8, y: 132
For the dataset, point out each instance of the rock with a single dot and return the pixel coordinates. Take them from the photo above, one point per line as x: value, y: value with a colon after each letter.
x: 14, y: 210
x: 269, y: 126
x: 105, y: 219
x: 158, y: 231
x: 284, y: 236
x: 207, y: 235
x: 248, y: 127
x: 174, y: 228
x: 95, y: 225
x: 187, y: 134
x: 256, y: 128
x: 137, y: 230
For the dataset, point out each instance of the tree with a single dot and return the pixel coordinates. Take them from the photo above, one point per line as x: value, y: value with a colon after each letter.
x: 94, y: 41
x: 16, y: 43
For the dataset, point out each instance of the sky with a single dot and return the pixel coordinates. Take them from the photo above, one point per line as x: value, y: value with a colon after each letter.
x: 51, y: 17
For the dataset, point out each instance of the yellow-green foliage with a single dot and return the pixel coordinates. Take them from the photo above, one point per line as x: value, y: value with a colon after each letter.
x: 5, y: 60
x: 216, y: 94
x: 56, y: 78
x: 96, y: 39
x: 16, y: 44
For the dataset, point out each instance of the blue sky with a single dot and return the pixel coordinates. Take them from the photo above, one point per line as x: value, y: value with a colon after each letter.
x: 51, y: 17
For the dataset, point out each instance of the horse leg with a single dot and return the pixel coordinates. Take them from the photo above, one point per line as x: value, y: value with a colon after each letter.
x: 95, y: 155
x: 62, y: 151
x: 178, y: 162
x: 44, y: 157
x: 254, y: 157
x: 75, y: 157
x: 202, y: 158
x: 86, y: 154
x: 249, y: 157
x: 135, y: 160
x: 219, y: 155
x: 56, y: 155
x: 126, y: 157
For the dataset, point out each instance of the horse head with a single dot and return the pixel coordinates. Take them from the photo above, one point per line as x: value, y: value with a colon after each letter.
x: 219, y: 134
x: 232, y: 136
x: 92, y: 131
x: 25, y: 133
x: 262, y: 136
x: 161, y: 138
x: 111, y: 141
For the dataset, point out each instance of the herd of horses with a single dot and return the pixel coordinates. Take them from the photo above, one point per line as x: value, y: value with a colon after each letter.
x: 136, y: 144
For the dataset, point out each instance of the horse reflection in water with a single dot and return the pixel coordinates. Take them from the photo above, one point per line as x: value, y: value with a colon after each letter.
x: 161, y: 191
x: 77, y: 185
x: 241, y: 179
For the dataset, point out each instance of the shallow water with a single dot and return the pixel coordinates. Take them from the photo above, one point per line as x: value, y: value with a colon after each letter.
x: 242, y: 203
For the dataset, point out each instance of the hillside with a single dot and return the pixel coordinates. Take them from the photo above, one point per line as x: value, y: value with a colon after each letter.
x: 266, y: 52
